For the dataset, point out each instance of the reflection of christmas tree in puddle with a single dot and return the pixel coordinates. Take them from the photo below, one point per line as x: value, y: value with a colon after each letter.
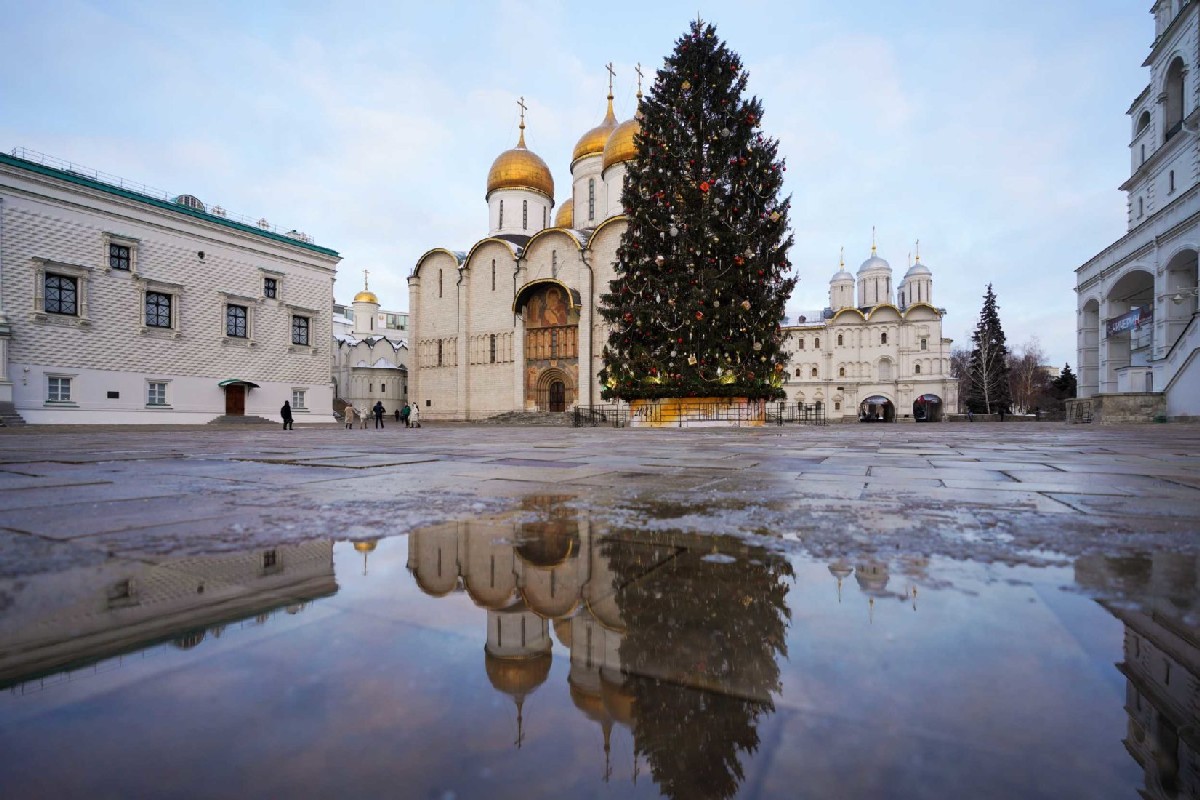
x: 674, y: 637
x: 1157, y: 598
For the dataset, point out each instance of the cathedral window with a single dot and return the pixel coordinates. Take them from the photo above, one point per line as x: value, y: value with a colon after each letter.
x: 439, y: 352
x: 814, y: 372
x: 554, y: 263
x: 554, y: 344
x: 841, y: 372
x: 883, y: 338
x: 1143, y: 154
x: 817, y: 343
x: 524, y: 215
x: 501, y: 223
x: 439, y: 283
x: 800, y: 344
x: 545, y: 218
x: 837, y: 406
x: 1143, y: 123
x: 798, y: 372
x: 839, y: 340
x: 493, y: 274
x: 924, y: 343
x: 492, y: 348
x: 1141, y: 208
x: 591, y: 198
x: 1171, y: 181
x: 917, y: 369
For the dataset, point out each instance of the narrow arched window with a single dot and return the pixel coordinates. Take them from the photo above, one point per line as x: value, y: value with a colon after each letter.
x: 1171, y: 181
x: 1143, y: 154
x: 591, y: 198
x: 1143, y: 123
x: 1141, y: 208
x: 501, y: 223
x: 817, y: 343
x: 439, y: 344
x: 544, y: 217
x: 800, y: 344
x: 1174, y: 98
x: 841, y: 372
x: 917, y: 369
x: 493, y: 274
x: 553, y: 263
x: 439, y: 283
x: 883, y: 338
x: 814, y: 372
x: 839, y: 340
x: 797, y: 372
x: 492, y: 349
x: 524, y: 215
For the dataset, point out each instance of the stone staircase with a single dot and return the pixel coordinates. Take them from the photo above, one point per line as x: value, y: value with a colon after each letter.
x: 548, y: 419
x: 9, y: 418
x: 243, y: 420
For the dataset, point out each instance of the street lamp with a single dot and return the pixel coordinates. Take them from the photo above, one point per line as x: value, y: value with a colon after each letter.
x: 1183, y: 294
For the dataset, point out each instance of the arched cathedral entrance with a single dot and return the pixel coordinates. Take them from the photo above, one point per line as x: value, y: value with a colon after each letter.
x: 550, y: 313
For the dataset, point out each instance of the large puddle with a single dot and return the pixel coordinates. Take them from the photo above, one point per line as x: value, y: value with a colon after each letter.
x: 546, y: 655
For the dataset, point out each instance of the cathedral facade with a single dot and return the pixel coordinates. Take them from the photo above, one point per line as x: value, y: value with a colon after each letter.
x: 512, y: 323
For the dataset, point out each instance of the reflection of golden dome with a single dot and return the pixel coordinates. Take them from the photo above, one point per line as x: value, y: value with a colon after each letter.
x: 517, y: 677
x: 520, y: 168
x: 547, y: 544
x: 565, y: 218
x: 562, y: 629
x: 618, y: 701
x: 591, y: 705
x: 620, y: 147
x: 367, y: 546
x: 592, y: 143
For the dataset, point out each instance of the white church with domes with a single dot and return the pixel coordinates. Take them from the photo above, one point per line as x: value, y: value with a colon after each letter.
x: 512, y: 323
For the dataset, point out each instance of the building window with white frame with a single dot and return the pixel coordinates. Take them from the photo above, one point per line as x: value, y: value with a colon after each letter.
x: 237, y: 321
x: 298, y: 400
x: 300, y: 327
x: 158, y: 310
x: 119, y: 256
x: 271, y: 288
x: 156, y: 393
x: 58, y: 389
x: 61, y: 295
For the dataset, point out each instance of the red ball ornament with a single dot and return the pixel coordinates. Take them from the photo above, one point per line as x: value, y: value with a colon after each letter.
x: 704, y: 186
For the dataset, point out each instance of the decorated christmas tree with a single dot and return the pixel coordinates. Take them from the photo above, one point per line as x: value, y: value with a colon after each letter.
x: 988, y: 389
x: 702, y: 269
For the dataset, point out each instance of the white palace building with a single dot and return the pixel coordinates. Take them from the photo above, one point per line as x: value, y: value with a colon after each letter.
x: 511, y: 324
x: 1138, y: 336
x: 120, y: 304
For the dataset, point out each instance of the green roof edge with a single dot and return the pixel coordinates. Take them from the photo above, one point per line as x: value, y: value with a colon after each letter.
x: 91, y: 183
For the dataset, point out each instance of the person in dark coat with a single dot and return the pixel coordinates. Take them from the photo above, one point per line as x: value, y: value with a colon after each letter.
x: 378, y: 409
x: 286, y: 413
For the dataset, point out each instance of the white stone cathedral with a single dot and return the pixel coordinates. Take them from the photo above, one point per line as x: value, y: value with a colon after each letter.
x: 512, y: 323
x: 1138, y: 339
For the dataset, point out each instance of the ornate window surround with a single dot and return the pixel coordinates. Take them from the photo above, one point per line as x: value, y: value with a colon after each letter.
x: 81, y: 274
x: 133, y: 244
x: 175, y: 290
x: 250, y: 303
x: 312, y: 315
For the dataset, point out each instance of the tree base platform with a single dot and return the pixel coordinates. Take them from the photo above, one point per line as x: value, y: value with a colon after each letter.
x: 697, y: 412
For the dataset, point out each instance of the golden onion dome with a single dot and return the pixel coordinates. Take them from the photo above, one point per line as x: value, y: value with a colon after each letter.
x: 520, y: 168
x: 365, y: 297
x: 565, y: 218
x: 593, y: 142
x: 620, y: 147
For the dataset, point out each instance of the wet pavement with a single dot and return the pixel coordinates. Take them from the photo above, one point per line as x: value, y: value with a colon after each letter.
x: 460, y: 611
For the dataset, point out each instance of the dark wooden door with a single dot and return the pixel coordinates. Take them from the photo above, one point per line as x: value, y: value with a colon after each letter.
x: 235, y: 400
x: 558, y: 396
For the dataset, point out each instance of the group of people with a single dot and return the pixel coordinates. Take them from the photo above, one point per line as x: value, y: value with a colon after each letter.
x: 407, y: 414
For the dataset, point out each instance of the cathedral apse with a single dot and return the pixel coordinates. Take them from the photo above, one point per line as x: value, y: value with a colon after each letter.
x: 551, y: 348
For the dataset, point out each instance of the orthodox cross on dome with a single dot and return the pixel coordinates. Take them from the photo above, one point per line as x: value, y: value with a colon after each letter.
x: 872, y: 240
x: 638, y: 70
x: 842, y: 257
x: 523, y: 107
x: 611, y: 75
x: 918, y: 251
x: 365, y: 274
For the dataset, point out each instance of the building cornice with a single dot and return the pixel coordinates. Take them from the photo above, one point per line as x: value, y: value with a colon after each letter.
x: 162, y: 205
x: 1169, y: 147
x: 1137, y: 101
x: 1160, y: 43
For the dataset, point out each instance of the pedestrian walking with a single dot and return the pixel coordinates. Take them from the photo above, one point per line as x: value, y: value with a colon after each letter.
x: 405, y: 413
x: 364, y: 414
x: 351, y: 416
x: 378, y: 409
x: 414, y: 417
x: 970, y: 416
x: 286, y: 413
x: 397, y: 415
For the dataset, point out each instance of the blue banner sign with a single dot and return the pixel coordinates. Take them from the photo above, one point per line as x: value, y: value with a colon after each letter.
x: 1129, y: 321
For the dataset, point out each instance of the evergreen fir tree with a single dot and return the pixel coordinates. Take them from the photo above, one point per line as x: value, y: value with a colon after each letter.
x: 988, y: 369
x: 1065, y: 385
x: 702, y: 269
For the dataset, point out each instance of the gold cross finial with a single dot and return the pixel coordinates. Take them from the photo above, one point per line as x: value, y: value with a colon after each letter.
x: 523, y: 107
x: 611, y: 75
x: 918, y: 251
x: 842, y: 257
x: 365, y: 274
x: 638, y: 70
x: 872, y: 240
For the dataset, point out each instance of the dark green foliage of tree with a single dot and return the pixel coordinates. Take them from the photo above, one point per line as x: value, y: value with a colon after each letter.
x: 702, y: 269
x: 988, y: 391
x: 1064, y: 386
x: 703, y: 634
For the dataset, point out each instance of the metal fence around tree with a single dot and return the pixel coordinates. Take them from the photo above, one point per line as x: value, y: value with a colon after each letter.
x: 619, y: 415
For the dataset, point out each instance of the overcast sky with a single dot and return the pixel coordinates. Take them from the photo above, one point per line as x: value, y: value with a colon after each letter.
x: 993, y: 132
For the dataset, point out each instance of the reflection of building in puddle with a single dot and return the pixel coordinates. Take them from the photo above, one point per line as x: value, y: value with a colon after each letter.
x: 661, y: 629
x: 873, y: 577
x: 79, y: 617
x: 1157, y: 599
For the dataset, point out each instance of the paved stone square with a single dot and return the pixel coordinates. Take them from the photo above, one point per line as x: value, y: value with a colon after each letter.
x: 1011, y: 491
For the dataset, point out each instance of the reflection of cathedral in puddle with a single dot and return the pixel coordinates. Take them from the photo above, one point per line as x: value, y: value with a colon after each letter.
x: 1157, y: 600
x: 83, y: 616
x: 873, y: 576
x: 530, y: 577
